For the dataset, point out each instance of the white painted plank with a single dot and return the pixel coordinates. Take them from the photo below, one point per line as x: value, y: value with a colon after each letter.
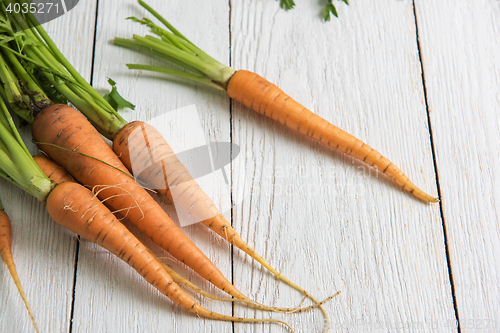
x: 460, y: 44
x: 44, y: 253
x: 320, y: 218
x: 109, y: 295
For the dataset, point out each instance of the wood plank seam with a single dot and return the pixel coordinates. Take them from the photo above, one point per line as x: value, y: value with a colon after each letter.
x: 438, y: 186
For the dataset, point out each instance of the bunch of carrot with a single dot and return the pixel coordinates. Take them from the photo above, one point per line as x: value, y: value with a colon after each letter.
x: 34, y: 75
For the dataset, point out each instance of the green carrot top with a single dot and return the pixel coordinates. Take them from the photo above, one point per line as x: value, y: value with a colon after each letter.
x: 35, y: 74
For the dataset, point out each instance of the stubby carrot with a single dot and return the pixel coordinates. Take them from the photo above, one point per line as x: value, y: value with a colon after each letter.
x: 258, y: 94
x: 6, y: 252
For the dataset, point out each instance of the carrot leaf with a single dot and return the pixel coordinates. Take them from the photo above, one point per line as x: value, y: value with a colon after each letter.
x: 329, y: 8
x: 115, y: 99
x: 287, y: 4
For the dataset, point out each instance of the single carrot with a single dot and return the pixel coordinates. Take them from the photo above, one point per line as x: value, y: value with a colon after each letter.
x: 258, y: 94
x: 77, y: 209
x: 6, y: 252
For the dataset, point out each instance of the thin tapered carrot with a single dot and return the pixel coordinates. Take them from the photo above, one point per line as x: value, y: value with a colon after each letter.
x: 264, y: 97
x: 77, y: 209
x: 256, y: 93
x: 111, y: 181
x: 6, y: 252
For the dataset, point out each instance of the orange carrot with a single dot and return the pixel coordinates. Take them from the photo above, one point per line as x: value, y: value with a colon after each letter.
x: 111, y: 181
x: 6, y: 252
x: 266, y: 98
x: 77, y: 209
x: 57, y: 174
x: 257, y: 94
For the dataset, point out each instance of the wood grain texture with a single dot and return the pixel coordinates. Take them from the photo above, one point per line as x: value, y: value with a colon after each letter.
x: 460, y: 45
x: 324, y: 220
x: 44, y: 252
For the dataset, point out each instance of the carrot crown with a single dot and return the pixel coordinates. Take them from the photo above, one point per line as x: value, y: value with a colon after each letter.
x: 35, y: 74
x: 16, y: 163
x: 172, y: 46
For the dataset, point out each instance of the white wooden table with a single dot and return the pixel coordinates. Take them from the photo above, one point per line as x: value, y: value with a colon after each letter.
x: 419, y: 81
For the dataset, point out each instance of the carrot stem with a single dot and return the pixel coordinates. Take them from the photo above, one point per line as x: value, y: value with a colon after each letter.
x: 16, y: 161
x: 164, y: 70
x: 162, y: 20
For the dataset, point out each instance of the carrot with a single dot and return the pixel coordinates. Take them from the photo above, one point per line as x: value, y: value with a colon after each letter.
x: 266, y: 98
x: 257, y: 94
x: 57, y: 174
x: 6, y: 252
x: 141, y: 146
x: 77, y: 209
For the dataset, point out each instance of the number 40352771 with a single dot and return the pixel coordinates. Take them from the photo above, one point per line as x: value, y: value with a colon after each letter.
x: 32, y: 8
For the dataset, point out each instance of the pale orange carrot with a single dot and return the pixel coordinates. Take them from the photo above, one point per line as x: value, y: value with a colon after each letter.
x: 6, y: 252
x: 141, y: 147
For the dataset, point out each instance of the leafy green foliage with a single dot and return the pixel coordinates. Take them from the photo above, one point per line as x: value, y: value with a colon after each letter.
x: 287, y: 4
x: 327, y: 11
x: 115, y: 99
x: 329, y: 8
